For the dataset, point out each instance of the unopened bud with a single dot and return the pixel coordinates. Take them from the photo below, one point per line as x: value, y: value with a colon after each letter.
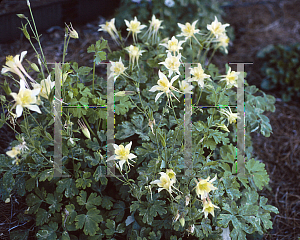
x: 72, y: 31
x: 21, y: 15
x: 187, y: 200
x: 84, y: 129
x: 182, y: 221
x: 34, y: 67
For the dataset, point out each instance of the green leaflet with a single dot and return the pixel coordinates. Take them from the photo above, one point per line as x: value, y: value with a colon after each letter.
x: 48, y: 232
x: 89, y: 221
x: 89, y: 203
x: 67, y: 185
x: 257, y: 173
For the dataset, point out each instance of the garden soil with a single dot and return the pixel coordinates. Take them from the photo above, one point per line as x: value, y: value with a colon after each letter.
x: 256, y: 24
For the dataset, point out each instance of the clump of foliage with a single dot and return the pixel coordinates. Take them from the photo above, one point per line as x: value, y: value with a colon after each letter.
x: 153, y: 184
x: 281, y: 70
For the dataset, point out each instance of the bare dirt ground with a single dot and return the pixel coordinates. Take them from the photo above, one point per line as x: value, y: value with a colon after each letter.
x: 256, y: 24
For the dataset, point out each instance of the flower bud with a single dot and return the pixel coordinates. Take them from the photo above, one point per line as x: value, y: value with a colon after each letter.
x: 34, y: 67
x: 84, y: 129
x: 182, y: 221
x: 21, y: 15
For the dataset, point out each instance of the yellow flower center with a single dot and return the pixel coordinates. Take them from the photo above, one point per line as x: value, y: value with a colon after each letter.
x: 122, y: 153
x: 9, y: 59
x: 134, y: 26
x: 119, y: 68
x: 204, y: 186
x: 209, y: 208
x: 25, y: 98
x: 231, y: 78
x: 188, y: 30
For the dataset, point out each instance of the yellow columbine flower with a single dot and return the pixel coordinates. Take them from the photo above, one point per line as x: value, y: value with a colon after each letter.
x: 223, y: 41
x: 26, y: 98
x: 231, y: 78
x: 155, y: 25
x: 164, y: 182
x: 232, y: 117
x: 217, y: 28
x: 172, y: 63
x: 45, y: 86
x: 14, y: 65
x: 199, y: 75
x: 123, y: 155
x: 185, y: 87
x: 208, y: 207
x: 134, y: 54
x: 204, y: 186
x: 164, y: 85
x: 173, y: 45
x: 72, y: 32
x: 110, y: 28
x: 171, y: 174
x: 118, y: 69
x: 188, y: 30
x: 134, y: 27
x: 14, y: 152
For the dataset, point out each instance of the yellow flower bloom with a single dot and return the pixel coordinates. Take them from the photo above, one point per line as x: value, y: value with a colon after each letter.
x: 110, y: 28
x: 164, y: 85
x: 171, y: 174
x: 185, y: 87
x: 26, y: 98
x: 134, y: 27
x: 134, y: 54
x: 173, y: 45
x: 118, y: 69
x: 231, y: 78
x: 188, y: 30
x: 172, y: 63
x: 199, y: 75
x: 208, y: 207
x: 45, y: 86
x: 14, y: 152
x: 72, y: 32
x: 14, y: 65
x: 155, y: 25
x: 232, y: 117
x: 164, y: 182
x: 123, y: 155
x: 204, y: 186
x: 217, y: 28
x: 223, y: 41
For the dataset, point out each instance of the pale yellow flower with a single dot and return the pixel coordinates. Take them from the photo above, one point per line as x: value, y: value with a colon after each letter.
x: 134, y: 27
x: 198, y: 75
x: 231, y: 78
x: 134, y: 54
x: 173, y: 45
x: 14, y: 152
x: 185, y: 87
x: 26, y: 98
x: 171, y: 174
x: 155, y: 25
x: 123, y: 155
x: 172, y: 63
x: 208, y: 207
x: 45, y: 86
x: 110, y: 28
x: 232, y: 117
x: 72, y: 31
x: 14, y: 65
x: 118, y: 69
x: 164, y: 182
x: 217, y: 28
x: 204, y: 186
x: 188, y: 30
x: 223, y: 41
x: 164, y: 85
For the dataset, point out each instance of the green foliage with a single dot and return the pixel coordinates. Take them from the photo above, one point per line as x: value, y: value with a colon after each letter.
x: 281, y: 70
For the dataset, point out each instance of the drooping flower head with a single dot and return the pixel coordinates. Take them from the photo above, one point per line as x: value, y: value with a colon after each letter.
x: 217, y: 28
x: 46, y: 86
x: 223, y: 41
x: 134, y: 27
x: 164, y: 85
x: 84, y: 129
x: 72, y: 31
x: 123, y: 155
x: 26, y: 98
x: 14, y: 65
x: 118, y: 69
x: 164, y: 182
x: 188, y: 30
x: 155, y: 25
x: 231, y: 78
x: 110, y: 28
x: 208, y: 207
x: 198, y: 75
x: 134, y: 54
x: 14, y: 152
x: 173, y: 45
x: 185, y: 87
x: 204, y: 186
x: 172, y: 63
x: 232, y: 117
x: 171, y: 174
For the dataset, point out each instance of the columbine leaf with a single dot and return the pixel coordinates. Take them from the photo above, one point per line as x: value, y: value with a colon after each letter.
x: 111, y: 225
x: 68, y: 186
x: 118, y: 211
x: 89, y: 203
x: 48, y: 232
x: 54, y: 200
x: 46, y: 174
x: 42, y: 216
x: 34, y: 202
x: 89, y: 221
x: 258, y: 172
x: 107, y: 203
x: 84, y: 181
